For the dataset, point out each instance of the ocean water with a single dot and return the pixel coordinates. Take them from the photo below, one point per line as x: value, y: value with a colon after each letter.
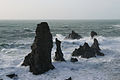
x: 16, y: 37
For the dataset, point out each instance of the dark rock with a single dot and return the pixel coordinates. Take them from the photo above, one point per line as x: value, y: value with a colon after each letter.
x: 76, y: 52
x: 99, y: 53
x: 12, y: 76
x: 58, y: 53
x: 86, y: 51
x: 96, y: 48
x: 39, y: 59
x: 73, y: 35
x: 93, y: 33
x: 69, y: 78
x: 73, y: 60
x: 95, y: 45
x: 1, y: 79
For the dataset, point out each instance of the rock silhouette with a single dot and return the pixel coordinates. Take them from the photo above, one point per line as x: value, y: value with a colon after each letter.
x: 39, y: 59
x: 73, y: 60
x: 12, y: 76
x: 93, y: 33
x: 69, y: 78
x: 73, y: 35
x: 95, y: 45
x: 58, y: 53
x: 96, y: 48
x: 86, y: 51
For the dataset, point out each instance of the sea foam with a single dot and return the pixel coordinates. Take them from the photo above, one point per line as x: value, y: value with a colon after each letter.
x: 96, y: 68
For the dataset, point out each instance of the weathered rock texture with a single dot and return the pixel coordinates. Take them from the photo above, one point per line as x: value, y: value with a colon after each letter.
x: 58, y: 53
x: 93, y: 33
x: 73, y: 35
x: 39, y: 59
x: 86, y: 51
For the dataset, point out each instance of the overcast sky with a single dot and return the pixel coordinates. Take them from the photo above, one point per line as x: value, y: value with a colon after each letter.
x: 59, y: 9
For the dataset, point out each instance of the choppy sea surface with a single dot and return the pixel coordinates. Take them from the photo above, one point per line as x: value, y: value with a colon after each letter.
x: 16, y: 37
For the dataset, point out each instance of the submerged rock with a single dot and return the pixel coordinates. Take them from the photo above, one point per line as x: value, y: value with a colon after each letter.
x: 73, y: 35
x: 86, y: 51
x: 58, y: 53
x: 73, y: 59
x: 12, y: 76
x: 69, y: 78
x: 93, y: 33
x: 39, y: 59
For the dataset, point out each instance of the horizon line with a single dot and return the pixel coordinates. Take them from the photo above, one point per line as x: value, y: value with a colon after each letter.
x: 59, y: 19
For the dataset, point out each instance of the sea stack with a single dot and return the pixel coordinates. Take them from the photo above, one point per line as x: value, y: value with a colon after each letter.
x: 95, y: 45
x: 93, y: 33
x: 73, y: 35
x: 86, y: 51
x: 58, y: 53
x: 96, y: 48
x: 39, y: 59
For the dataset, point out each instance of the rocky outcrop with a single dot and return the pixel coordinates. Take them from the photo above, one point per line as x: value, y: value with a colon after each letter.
x: 12, y: 76
x: 93, y: 33
x: 73, y: 35
x: 86, y: 51
x: 73, y: 60
x: 95, y: 45
x: 96, y: 48
x: 39, y: 59
x: 58, y: 53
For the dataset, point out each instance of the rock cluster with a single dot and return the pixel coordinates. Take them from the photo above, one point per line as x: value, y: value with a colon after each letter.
x: 39, y: 59
x: 58, y: 53
x: 73, y: 35
x: 86, y: 51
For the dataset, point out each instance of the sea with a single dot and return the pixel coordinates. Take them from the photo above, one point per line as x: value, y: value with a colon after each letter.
x: 17, y: 36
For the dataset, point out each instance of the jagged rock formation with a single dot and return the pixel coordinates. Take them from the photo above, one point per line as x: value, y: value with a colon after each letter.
x: 58, y: 53
x: 73, y: 35
x: 73, y: 60
x: 86, y: 51
x: 93, y: 33
x: 39, y: 59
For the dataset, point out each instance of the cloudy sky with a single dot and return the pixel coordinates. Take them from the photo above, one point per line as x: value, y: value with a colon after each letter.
x: 59, y: 9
